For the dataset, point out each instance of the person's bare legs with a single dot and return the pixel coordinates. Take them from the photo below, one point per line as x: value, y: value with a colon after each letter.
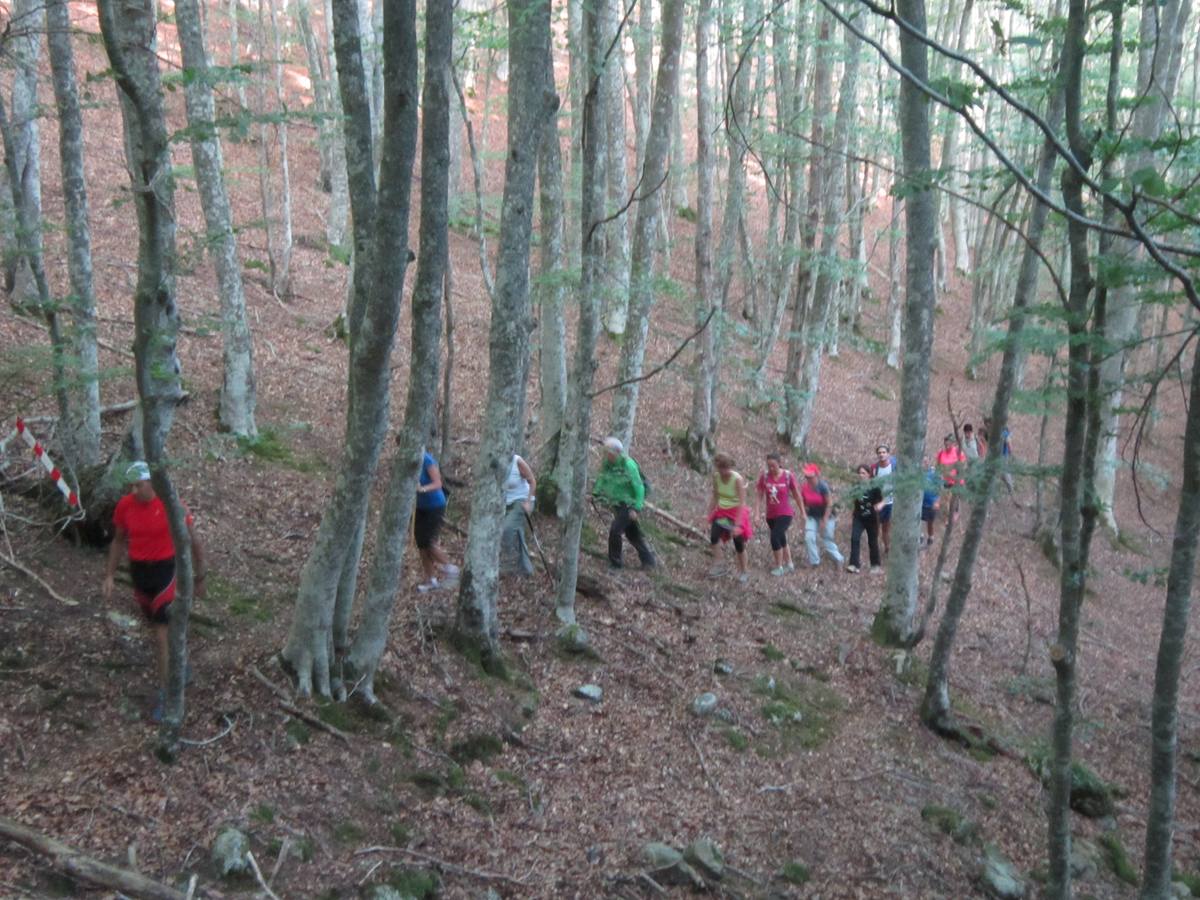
x: 885, y: 536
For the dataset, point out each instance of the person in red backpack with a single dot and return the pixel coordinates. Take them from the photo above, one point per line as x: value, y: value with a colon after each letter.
x: 143, y: 532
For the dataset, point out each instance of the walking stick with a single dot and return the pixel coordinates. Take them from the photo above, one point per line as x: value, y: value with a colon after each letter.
x: 538, y: 544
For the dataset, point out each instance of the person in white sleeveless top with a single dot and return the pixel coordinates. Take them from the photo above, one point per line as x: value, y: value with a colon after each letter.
x: 519, y: 488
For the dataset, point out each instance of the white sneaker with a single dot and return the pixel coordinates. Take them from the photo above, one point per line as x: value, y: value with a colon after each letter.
x: 742, y: 578
x: 430, y: 585
x: 450, y: 570
x: 780, y: 570
x: 791, y: 567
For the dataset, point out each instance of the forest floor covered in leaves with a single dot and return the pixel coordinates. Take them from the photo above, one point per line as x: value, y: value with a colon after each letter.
x: 814, y: 777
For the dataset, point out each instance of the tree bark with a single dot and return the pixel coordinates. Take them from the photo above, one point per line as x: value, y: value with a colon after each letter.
x: 1164, y: 722
x: 81, y: 431
x: 551, y: 291
x: 128, y: 31
x: 701, y: 438
x: 24, y: 43
x: 935, y: 708
x: 618, y: 262
x: 576, y: 436
x: 238, y: 396
x: 387, y: 563
x: 641, y: 279
x: 821, y: 314
x: 327, y: 581
x: 530, y: 106
x: 894, y: 623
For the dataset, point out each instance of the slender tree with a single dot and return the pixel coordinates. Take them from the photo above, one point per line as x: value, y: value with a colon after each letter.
x: 81, y: 429
x: 238, y: 396
x: 653, y: 177
x: 129, y: 40
x: 895, y: 622
x: 530, y: 106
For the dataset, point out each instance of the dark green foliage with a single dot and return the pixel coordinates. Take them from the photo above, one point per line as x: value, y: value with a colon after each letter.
x: 418, y: 884
x: 795, y: 872
x: 951, y: 822
x: 476, y: 747
x: 1116, y: 857
x: 1091, y: 796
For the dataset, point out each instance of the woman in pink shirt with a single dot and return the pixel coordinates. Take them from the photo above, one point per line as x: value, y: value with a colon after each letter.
x: 777, y: 487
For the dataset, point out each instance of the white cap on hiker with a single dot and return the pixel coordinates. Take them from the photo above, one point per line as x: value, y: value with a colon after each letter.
x: 614, y: 444
x: 137, y: 471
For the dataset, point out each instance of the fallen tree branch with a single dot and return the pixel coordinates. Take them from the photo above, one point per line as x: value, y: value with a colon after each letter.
x: 258, y: 875
x: 29, y: 573
x: 481, y: 874
x: 670, y: 359
x: 71, y: 862
x: 229, y: 723
x: 678, y: 523
x: 703, y: 765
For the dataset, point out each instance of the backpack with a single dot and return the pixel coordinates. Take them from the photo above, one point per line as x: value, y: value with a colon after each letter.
x: 645, y: 480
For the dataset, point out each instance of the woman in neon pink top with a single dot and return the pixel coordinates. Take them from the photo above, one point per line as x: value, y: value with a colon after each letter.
x: 777, y: 487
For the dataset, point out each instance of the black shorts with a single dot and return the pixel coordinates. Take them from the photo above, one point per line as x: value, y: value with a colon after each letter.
x: 426, y: 525
x: 928, y: 513
x: 885, y: 514
x: 153, y: 587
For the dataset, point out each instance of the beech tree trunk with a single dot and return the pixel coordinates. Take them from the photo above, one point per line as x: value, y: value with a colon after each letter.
x: 23, y: 174
x: 531, y: 106
x: 895, y: 620
x: 1164, y: 721
x: 619, y: 275
x: 128, y: 31
x: 575, y: 441
x: 552, y: 328
x: 641, y: 278
x: 701, y: 437
x: 935, y: 708
x: 238, y: 396
x: 327, y: 580
x: 819, y: 322
x: 396, y: 511
x: 80, y: 430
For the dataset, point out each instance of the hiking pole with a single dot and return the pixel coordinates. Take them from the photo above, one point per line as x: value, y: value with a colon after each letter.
x: 538, y: 544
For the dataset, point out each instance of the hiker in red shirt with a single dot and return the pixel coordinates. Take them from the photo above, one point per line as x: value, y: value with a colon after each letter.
x: 950, y: 460
x: 142, y: 530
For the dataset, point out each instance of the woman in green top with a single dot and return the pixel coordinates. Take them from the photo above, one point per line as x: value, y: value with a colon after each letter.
x: 730, y: 517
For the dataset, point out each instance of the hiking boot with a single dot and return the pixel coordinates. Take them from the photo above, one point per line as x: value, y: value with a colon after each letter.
x: 450, y: 570
x: 852, y: 568
x: 780, y: 570
x: 431, y: 585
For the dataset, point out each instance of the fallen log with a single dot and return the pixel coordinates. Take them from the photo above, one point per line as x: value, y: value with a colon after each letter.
x: 78, y: 865
x: 678, y: 523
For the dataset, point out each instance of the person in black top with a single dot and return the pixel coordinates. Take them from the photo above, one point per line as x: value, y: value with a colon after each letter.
x: 868, y: 501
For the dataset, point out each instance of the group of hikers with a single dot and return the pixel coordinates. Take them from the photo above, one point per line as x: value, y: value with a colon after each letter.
x: 142, y: 532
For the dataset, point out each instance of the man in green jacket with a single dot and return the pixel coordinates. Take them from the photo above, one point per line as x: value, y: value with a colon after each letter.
x: 619, y: 485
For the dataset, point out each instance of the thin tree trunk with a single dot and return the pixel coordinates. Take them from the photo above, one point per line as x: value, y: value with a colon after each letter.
x: 617, y: 245
x: 1164, y: 722
x: 894, y: 305
x: 935, y: 708
x: 281, y: 281
x: 338, y: 222
x: 129, y: 39
x: 387, y: 562
x: 552, y: 329
x: 579, y: 401
x: 531, y: 105
x: 81, y: 430
x: 833, y: 199
x: 641, y: 279
x: 237, y: 404
x: 894, y: 623
x: 23, y: 44
x: 822, y: 108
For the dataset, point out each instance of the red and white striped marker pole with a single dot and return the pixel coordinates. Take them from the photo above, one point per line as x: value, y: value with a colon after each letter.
x: 43, y: 458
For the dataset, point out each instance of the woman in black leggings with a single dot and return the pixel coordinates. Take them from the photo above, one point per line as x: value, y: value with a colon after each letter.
x: 777, y: 488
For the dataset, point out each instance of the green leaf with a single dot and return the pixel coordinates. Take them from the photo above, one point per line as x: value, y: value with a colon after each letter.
x: 1148, y: 181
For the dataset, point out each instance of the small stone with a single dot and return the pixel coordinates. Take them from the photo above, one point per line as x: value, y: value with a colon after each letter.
x: 705, y: 704
x: 229, y: 852
x: 725, y: 715
x: 574, y: 640
x: 593, y: 693
x: 998, y: 877
x: 706, y: 856
x: 722, y: 667
x: 121, y: 620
